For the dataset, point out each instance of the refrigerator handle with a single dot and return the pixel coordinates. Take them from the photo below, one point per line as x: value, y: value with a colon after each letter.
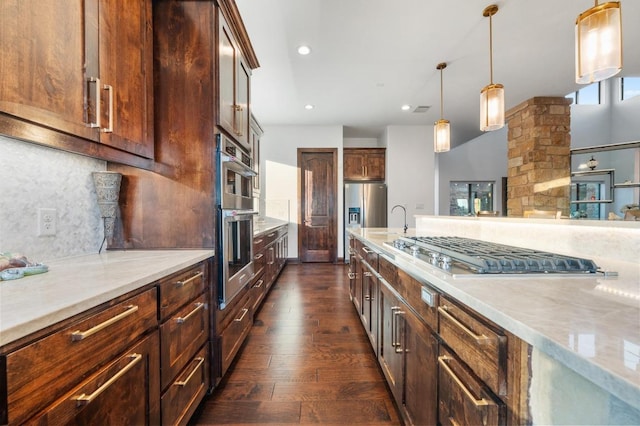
x: 363, y: 212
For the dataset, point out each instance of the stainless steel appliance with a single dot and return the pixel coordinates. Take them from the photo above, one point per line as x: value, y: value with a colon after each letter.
x: 460, y: 256
x: 236, y: 177
x: 234, y: 196
x: 365, y: 205
x: 236, y: 253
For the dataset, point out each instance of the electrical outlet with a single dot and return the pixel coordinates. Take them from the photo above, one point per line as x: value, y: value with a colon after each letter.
x: 47, y: 222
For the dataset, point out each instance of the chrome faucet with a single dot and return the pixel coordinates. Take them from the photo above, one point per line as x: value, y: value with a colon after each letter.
x: 405, y: 216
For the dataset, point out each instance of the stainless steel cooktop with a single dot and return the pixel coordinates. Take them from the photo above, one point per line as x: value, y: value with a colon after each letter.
x: 460, y: 256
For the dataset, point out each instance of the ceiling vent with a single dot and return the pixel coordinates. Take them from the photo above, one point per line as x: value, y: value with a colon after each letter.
x: 421, y: 109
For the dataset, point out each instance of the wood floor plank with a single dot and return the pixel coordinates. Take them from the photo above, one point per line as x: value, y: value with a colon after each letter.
x: 306, y: 361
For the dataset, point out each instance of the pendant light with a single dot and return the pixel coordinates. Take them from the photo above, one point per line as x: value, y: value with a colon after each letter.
x: 441, y: 128
x: 492, y: 95
x: 599, y: 42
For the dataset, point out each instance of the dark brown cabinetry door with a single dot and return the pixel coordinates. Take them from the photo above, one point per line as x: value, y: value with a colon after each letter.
x: 369, y: 307
x: 234, y: 78
x: 125, y: 391
x: 42, y: 64
x: 389, y: 359
x: 126, y: 75
x: 420, y: 352
x: 364, y: 164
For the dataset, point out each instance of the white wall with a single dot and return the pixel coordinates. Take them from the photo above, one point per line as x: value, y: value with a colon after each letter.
x: 33, y: 177
x: 410, y: 172
x: 279, y: 161
x: 362, y: 143
x: 482, y: 159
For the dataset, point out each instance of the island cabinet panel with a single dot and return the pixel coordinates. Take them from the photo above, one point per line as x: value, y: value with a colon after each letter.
x: 41, y: 372
x: 85, y: 85
x: 364, y: 164
x: 125, y: 391
x: 369, y: 308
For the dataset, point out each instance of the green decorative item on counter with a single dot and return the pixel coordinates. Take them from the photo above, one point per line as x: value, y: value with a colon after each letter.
x: 14, y: 266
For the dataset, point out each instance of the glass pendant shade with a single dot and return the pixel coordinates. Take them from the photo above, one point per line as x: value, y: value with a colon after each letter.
x: 492, y: 107
x: 442, y: 136
x: 599, y: 43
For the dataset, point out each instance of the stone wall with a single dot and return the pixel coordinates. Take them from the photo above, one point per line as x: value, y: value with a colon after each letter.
x: 539, y: 161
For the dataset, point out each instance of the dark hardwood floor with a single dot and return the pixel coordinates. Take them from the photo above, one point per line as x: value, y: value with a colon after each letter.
x: 306, y: 360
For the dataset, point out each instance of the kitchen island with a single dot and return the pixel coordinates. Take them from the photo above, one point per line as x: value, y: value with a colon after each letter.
x: 583, y: 331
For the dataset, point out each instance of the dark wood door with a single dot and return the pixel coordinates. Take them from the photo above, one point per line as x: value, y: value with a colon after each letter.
x: 390, y: 360
x: 317, y: 240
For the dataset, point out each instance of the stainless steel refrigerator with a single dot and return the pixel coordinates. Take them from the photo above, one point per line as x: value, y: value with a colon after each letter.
x: 365, y: 205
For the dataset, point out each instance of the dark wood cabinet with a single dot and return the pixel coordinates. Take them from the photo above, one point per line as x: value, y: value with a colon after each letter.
x: 88, y: 82
x: 364, y: 164
x: 125, y: 391
x: 389, y: 360
x: 255, y: 133
x: 234, y: 86
x: 369, y: 300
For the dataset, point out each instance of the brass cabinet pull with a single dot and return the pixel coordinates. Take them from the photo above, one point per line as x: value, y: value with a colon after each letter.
x: 84, y: 399
x: 367, y: 274
x: 239, y: 131
x: 271, y: 235
x: 398, y: 345
x: 185, y: 381
x: 259, y: 284
x: 244, y: 312
x: 257, y: 241
x: 453, y: 422
x: 258, y: 256
x: 363, y: 173
x: 393, y: 325
x: 109, y: 129
x: 95, y: 80
x: 188, y: 280
x: 80, y: 335
x: 442, y: 360
x: 351, y: 275
x: 479, y: 338
x: 367, y: 250
x: 181, y: 320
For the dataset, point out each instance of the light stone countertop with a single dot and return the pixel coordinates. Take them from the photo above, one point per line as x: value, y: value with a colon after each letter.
x: 266, y: 224
x: 75, y: 284
x: 590, y: 324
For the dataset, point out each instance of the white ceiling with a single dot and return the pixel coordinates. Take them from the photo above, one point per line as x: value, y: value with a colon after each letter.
x: 369, y: 57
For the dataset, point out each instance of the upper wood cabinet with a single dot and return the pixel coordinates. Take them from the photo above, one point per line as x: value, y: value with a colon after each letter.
x: 364, y: 164
x: 234, y: 86
x: 81, y: 68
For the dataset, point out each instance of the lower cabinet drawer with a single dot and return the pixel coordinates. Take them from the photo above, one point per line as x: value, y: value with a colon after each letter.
x: 235, y: 333
x: 181, y: 399
x: 258, y: 291
x: 119, y: 393
x: 462, y: 399
x: 180, y: 288
x: 181, y: 336
x: 480, y: 345
x: 44, y: 370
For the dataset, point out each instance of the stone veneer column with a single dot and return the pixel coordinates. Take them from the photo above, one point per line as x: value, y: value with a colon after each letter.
x: 539, y: 161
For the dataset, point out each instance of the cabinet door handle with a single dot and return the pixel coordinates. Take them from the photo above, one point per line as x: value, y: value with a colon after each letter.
x: 398, y: 345
x: 367, y: 250
x: 188, y: 280
x: 351, y: 275
x: 259, y: 284
x: 367, y: 274
x: 109, y: 129
x: 393, y: 325
x: 244, y: 312
x: 84, y: 399
x: 442, y: 360
x: 258, y: 256
x: 257, y: 241
x: 95, y: 80
x: 480, y: 339
x: 181, y: 320
x: 453, y: 422
x: 81, y: 335
x: 185, y: 381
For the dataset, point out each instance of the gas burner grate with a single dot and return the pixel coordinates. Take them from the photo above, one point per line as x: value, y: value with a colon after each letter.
x: 492, y: 258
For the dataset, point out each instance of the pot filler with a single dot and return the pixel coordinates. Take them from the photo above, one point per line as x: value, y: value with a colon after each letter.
x: 465, y: 256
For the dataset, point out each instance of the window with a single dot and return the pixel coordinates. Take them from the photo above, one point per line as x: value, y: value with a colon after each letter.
x: 629, y: 87
x: 469, y: 198
x: 588, y: 95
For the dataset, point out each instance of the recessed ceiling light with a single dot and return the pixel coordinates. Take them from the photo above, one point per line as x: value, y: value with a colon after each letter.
x: 405, y: 107
x: 308, y: 106
x: 304, y: 50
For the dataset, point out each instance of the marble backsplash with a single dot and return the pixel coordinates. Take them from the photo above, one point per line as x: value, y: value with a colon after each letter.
x: 34, y: 177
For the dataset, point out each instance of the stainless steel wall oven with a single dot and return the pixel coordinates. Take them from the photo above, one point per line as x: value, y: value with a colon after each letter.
x: 235, y: 219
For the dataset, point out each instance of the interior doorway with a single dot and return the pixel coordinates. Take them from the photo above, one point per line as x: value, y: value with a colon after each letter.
x: 317, y: 192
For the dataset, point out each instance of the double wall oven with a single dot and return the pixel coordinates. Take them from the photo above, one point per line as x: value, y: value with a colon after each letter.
x: 235, y: 219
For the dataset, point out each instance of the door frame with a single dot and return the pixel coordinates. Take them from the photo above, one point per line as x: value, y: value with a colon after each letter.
x: 334, y: 217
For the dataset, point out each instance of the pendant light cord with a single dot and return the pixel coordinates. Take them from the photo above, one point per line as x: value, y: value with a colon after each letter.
x: 491, y: 47
x: 441, y: 97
